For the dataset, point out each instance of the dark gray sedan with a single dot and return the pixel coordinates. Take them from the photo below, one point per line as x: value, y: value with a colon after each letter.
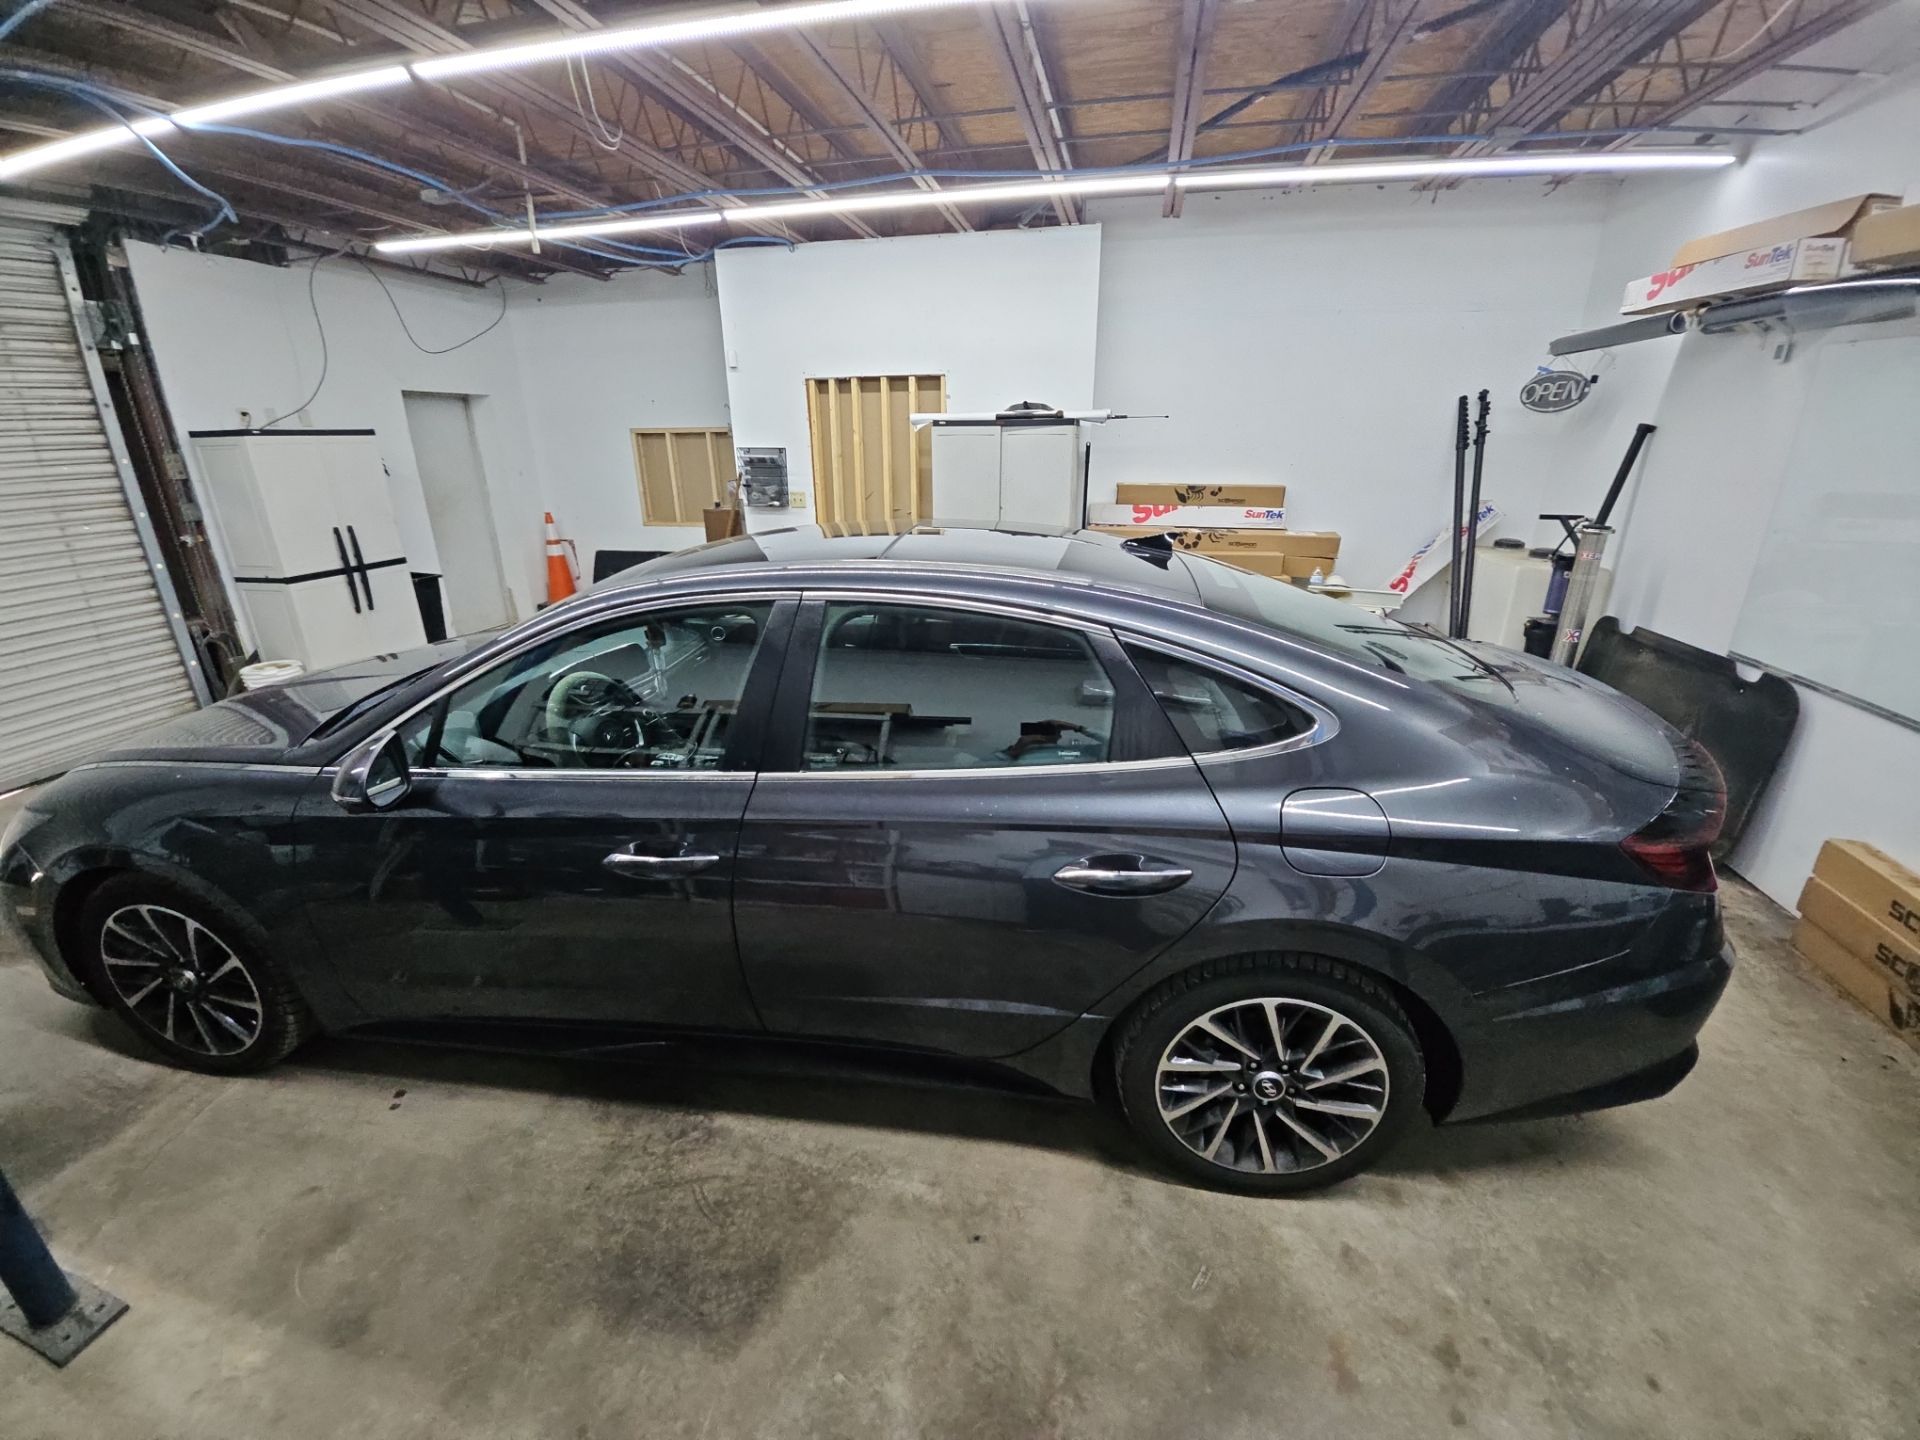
x: 1277, y: 872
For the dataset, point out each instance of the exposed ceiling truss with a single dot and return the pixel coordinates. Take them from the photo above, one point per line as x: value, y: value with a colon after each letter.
x: 1019, y: 88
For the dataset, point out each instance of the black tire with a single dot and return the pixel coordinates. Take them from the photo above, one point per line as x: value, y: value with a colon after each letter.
x: 154, y: 921
x: 1252, y: 1132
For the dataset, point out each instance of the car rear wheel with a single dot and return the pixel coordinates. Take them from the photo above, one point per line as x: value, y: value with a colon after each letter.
x: 1269, y: 1074
x: 181, y: 975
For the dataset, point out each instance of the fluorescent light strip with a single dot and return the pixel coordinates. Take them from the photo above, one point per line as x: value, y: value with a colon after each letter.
x: 1532, y: 163
x: 282, y: 96
x: 745, y: 21
x: 727, y: 24
x: 1142, y: 183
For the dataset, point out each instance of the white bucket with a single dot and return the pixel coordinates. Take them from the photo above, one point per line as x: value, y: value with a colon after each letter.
x: 269, y: 672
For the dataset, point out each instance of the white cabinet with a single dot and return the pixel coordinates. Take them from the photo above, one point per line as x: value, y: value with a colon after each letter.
x: 1009, y: 477
x: 310, y: 532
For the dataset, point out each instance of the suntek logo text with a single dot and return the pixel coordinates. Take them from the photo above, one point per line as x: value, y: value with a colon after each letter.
x: 1142, y: 514
x: 1757, y: 258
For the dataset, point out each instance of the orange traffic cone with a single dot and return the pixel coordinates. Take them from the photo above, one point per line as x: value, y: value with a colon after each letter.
x: 562, y: 573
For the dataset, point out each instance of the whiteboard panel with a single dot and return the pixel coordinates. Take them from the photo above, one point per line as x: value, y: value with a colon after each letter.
x: 1835, y: 597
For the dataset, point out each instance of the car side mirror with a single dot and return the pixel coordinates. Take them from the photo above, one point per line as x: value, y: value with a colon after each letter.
x: 373, y: 775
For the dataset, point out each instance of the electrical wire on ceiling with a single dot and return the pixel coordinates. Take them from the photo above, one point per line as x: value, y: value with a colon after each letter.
x: 19, y: 17
x: 104, y: 98
x: 313, y: 303
x: 407, y: 329
x: 603, y: 135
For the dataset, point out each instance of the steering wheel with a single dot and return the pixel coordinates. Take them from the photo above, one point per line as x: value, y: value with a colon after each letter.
x: 587, y: 695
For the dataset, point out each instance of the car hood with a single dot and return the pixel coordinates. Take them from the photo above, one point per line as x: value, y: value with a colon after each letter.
x: 260, y: 726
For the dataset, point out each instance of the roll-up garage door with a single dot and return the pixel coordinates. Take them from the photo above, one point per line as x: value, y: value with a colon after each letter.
x: 90, y: 653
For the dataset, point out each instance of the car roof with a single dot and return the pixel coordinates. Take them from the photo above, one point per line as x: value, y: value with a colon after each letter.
x: 1078, y: 555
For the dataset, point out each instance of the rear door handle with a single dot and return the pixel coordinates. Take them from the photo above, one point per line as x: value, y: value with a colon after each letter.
x: 1099, y: 877
x: 657, y: 867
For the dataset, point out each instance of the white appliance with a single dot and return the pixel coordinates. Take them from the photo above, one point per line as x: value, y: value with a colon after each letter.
x: 310, y: 533
x: 1008, y: 473
x: 1509, y: 588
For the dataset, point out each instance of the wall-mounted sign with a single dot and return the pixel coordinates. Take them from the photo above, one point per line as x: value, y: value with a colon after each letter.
x: 1553, y: 390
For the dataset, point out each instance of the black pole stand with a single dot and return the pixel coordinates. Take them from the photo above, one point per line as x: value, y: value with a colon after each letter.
x: 57, y: 1314
x: 1473, y: 515
x: 1453, y: 525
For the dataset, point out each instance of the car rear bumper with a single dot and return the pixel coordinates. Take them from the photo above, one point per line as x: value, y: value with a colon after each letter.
x: 1590, y: 1043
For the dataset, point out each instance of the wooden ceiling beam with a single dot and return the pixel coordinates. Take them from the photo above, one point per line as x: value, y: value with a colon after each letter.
x: 1197, y: 19
x: 706, y: 108
x: 878, y: 125
x: 1801, y: 31
x: 1010, y: 28
x: 1382, y: 29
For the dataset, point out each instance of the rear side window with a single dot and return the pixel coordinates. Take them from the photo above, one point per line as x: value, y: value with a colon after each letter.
x: 906, y: 687
x: 1214, y: 712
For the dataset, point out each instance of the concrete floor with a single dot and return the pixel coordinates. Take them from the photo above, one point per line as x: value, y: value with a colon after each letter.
x: 379, y: 1242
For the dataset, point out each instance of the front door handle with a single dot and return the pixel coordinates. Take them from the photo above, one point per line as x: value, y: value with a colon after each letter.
x: 657, y: 867
x: 1100, y: 876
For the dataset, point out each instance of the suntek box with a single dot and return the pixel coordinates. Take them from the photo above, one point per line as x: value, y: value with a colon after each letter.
x: 1870, y: 940
x: 1228, y: 543
x: 1264, y: 497
x: 1793, y: 262
x: 1196, y: 517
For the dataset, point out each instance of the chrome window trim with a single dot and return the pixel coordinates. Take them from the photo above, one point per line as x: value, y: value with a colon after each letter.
x: 610, y: 616
x: 1164, y: 762
x: 911, y: 598
x: 278, y: 769
x: 508, y: 772
x: 1325, y: 725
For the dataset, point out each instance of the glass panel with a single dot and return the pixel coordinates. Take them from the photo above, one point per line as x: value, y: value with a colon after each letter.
x: 928, y: 688
x: 1214, y: 712
x: 653, y: 693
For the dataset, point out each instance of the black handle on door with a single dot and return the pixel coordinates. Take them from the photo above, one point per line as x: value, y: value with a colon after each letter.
x: 366, y: 585
x: 346, y: 569
x: 1120, y: 875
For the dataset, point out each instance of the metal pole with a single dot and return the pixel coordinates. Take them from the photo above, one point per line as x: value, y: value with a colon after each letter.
x: 1588, y: 552
x: 1473, y: 514
x: 1640, y: 434
x: 1453, y: 524
x: 38, y: 1285
x: 57, y: 1314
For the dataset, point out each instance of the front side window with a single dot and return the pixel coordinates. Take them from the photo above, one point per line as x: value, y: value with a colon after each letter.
x: 906, y: 687
x: 654, y: 692
x: 1215, y: 712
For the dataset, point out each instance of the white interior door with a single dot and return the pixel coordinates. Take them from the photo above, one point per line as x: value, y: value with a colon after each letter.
x: 455, y: 485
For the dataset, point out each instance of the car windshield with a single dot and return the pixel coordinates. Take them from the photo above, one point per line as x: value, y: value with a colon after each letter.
x: 1345, y: 629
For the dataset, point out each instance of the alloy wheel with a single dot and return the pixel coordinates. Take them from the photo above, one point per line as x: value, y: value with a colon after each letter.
x: 1272, y: 1085
x: 180, y: 980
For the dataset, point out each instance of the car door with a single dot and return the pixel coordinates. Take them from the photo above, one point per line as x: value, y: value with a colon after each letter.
x: 971, y: 823
x: 566, y: 848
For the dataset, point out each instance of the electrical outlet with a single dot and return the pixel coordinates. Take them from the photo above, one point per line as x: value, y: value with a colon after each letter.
x: 796, y: 500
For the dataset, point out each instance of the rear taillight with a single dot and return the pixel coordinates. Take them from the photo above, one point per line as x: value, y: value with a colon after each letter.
x: 1675, y: 847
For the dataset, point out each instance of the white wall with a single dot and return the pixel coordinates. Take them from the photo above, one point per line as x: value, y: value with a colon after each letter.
x: 1692, y: 530
x: 1005, y: 316
x: 600, y: 360
x: 231, y: 336
x: 1319, y: 340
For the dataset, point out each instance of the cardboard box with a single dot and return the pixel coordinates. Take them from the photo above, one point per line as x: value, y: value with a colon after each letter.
x: 1872, y: 879
x: 1889, y: 237
x: 1835, y: 219
x: 1751, y: 272
x: 1876, y: 991
x: 1195, y: 517
x: 1270, y: 497
x: 1878, y: 945
x: 1229, y: 543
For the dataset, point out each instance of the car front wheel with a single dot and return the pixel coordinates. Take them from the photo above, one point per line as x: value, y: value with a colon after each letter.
x: 1269, y: 1074
x: 181, y: 975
